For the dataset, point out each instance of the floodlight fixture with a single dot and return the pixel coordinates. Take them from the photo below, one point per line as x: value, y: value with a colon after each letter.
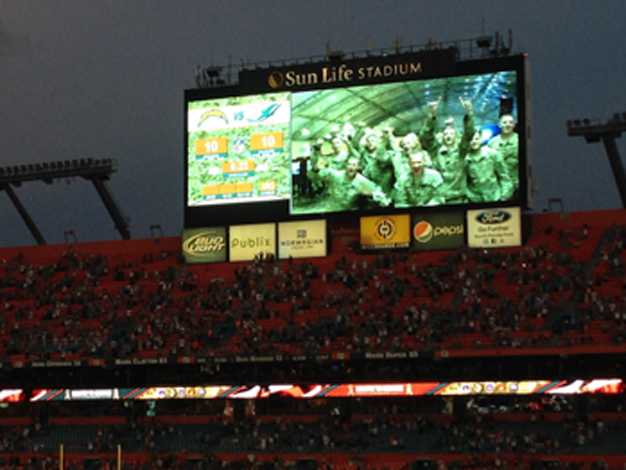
x: 335, y: 56
x: 484, y: 42
x: 213, y: 71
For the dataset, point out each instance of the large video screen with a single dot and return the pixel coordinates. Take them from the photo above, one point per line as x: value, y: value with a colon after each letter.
x: 375, y: 148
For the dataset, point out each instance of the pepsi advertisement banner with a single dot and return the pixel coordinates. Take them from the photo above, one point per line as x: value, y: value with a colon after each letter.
x: 438, y: 231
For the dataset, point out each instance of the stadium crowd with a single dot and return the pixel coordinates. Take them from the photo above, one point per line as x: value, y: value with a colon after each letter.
x: 84, y: 306
x: 544, y: 295
x: 506, y: 429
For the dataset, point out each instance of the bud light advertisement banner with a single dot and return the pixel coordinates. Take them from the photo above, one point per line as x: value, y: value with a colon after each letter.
x: 248, y: 241
x: 204, y: 245
x: 439, y: 231
x: 494, y: 227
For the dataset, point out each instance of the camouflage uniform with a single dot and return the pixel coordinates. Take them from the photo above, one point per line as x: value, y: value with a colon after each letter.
x: 449, y: 161
x: 400, y: 161
x: 411, y: 190
x: 487, y: 175
x: 509, y: 150
x: 336, y: 159
x: 343, y: 193
x: 378, y: 166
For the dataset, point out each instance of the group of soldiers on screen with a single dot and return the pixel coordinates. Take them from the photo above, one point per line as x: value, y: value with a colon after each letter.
x: 436, y: 167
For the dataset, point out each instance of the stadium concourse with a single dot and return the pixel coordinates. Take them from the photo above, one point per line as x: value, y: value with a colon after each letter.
x: 133, y: 314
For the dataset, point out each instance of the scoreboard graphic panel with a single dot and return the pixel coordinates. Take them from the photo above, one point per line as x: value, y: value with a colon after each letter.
x: 237, y: 150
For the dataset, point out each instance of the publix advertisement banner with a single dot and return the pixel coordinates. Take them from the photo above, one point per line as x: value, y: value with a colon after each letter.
x: 385, y: 232
x: 438, y: 231
x: 204, y: 245
x: 303, y: 239
x: 494, y: 227
x: 247, y: 241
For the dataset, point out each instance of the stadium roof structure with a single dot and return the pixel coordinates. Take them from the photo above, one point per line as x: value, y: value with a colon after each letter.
x: 400, y: 106
x: 96, y: 171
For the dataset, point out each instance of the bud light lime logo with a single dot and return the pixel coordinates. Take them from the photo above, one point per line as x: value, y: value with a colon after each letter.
x: 423, y: 232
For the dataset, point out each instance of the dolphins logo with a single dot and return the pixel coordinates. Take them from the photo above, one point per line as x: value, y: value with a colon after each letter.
x: 213, y: 113
x: 266, y: 113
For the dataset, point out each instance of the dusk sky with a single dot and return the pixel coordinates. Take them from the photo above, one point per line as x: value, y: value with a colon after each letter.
x: 105, y: 79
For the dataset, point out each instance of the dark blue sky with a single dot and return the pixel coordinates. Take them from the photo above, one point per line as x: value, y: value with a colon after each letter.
x: 105, y: 79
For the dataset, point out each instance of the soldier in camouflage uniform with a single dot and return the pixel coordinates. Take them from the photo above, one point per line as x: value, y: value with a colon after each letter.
x: 338, y: 154
x: 334, y: 149
x: 420, y: 185
x: 409, y: 144
x: 448, y: 150
x: 507, y: 144
x: 487, y: 177
x: 376, y: 157
x: 346, y: 186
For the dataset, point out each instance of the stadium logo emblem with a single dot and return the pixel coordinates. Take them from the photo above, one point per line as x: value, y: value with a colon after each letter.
x: 423, y: 231
x: 385, y: 229
x: 493, y: 217
x: 276, y: 80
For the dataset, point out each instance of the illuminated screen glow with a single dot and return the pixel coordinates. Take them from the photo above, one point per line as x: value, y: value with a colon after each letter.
x: 346, y: 390
x: 239, y: 150
x: 360, y: 148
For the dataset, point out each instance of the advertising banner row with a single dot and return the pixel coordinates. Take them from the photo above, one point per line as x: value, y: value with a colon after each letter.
x: 311, y: 391
x: 301, y: 239
x: 483, y: 228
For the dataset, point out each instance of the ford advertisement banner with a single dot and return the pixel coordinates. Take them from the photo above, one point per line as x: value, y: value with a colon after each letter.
x: 487, y: 228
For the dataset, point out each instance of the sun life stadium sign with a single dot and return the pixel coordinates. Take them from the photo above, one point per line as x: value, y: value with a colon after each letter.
x: 342, y: 74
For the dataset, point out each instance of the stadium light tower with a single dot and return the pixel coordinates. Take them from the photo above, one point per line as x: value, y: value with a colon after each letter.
x: 607, y: 133
x: 96, y: 171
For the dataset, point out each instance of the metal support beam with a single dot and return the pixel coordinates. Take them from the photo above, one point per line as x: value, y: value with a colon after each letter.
x: 115, y: 212
x: 607, y: 132
x: 616, y: 165
x: 30, y: 223
x: 97, y: 171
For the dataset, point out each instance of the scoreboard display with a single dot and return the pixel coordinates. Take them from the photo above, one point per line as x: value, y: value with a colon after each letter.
x: 239, y: 150
x: 367, y: 136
